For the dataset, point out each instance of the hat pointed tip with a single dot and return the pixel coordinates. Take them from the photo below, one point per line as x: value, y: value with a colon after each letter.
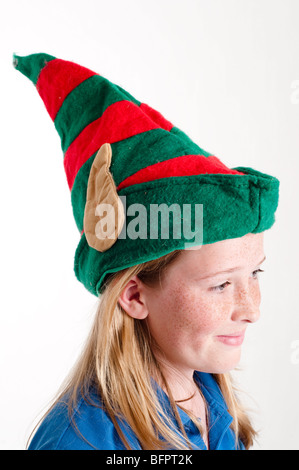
x: 15, y: 60
x: 31, y: 65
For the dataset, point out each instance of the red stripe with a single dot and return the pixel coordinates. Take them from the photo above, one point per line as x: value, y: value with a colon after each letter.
x: 120, y: 121
x: 185, y: 165
x: 156, y: 117
x: 57, y: 79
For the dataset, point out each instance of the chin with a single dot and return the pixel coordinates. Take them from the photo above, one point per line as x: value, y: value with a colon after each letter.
x: 223, y: 363
x: 229, y: 364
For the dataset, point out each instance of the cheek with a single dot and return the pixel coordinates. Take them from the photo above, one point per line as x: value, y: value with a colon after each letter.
x: 197, y: 312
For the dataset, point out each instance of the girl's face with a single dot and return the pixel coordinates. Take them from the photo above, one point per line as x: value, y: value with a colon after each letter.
x: 208, y: 297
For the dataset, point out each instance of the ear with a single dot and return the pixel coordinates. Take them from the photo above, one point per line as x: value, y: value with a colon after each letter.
x: 132, y: 299
x: 102, y: 197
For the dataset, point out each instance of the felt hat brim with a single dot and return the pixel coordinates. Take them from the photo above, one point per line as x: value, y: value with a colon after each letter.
x: 233, y: 205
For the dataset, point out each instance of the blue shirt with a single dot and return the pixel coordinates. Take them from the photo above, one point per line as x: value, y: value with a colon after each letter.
x: 57, y: 432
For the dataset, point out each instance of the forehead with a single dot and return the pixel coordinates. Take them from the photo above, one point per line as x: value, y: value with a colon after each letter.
x: 227, y: 254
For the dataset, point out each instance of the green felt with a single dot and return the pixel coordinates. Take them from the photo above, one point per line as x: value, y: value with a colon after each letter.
x: 179, y: 133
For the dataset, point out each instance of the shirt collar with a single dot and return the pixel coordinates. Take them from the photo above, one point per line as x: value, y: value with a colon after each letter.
x: 211, y: 391
x: 219, y: 417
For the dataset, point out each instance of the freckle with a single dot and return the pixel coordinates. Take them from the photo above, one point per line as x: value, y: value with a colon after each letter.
x: 186, y: 299
x: 181, y: 298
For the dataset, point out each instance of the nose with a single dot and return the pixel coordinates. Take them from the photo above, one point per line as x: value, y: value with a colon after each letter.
x: 247, y: 303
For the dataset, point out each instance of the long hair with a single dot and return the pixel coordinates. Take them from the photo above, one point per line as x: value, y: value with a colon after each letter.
x: 118, y: 361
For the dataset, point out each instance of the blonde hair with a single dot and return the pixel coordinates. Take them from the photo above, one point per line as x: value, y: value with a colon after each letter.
x: 118, y: 360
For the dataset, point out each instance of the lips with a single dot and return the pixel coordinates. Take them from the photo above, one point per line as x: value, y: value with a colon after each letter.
x: 235, y: 339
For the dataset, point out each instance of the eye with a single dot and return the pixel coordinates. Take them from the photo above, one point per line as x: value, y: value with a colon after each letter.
x: 256, y: 272
x: 221, y: 287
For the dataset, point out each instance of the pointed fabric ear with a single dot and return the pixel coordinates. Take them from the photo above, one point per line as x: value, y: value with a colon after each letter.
x: 104, y: 212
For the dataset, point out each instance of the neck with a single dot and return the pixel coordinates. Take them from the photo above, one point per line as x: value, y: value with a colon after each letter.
x: 179, y: 380
x: 186, y: 393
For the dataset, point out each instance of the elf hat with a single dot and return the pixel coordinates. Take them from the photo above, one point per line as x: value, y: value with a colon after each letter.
x: 125, y: 162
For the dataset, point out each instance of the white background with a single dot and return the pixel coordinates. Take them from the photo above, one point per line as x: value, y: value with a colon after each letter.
x: 224, y: 71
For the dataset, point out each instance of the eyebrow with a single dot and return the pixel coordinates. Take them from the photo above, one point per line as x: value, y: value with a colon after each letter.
x: 228, y: 270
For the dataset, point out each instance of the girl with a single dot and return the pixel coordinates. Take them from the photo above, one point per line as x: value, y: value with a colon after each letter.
x: 171, y: 316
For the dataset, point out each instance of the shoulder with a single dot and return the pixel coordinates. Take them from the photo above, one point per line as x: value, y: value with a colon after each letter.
x: 88, y: 428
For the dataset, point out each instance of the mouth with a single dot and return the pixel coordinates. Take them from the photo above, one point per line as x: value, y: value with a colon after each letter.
x: 235, y: 339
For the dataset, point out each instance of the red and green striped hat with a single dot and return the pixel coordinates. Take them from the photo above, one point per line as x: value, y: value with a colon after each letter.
x: 123, y: 154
